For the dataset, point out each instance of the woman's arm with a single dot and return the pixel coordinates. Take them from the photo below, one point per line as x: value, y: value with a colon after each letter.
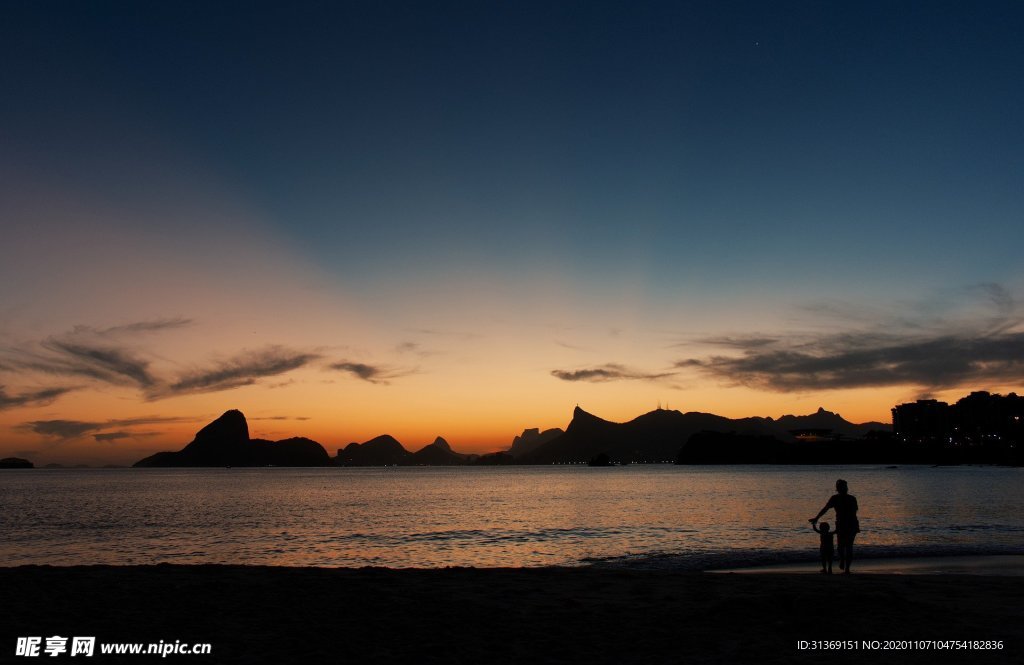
x: 824, y: 510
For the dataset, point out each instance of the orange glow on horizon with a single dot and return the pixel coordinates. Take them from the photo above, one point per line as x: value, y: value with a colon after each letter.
x: 471, y: 423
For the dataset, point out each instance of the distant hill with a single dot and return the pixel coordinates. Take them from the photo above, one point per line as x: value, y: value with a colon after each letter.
x: 438, y: 453
x: 827, y: 420
x: 660, y: 435
x: 226, y: 442
x: 656, y: 436
x: 16, y: 463
x: 385, y: 450
x: 531, y: 439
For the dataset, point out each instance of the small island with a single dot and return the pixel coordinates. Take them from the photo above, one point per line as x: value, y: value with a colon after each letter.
x: 16, y: 463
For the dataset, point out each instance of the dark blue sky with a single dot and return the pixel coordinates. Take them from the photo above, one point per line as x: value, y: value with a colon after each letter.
x: 678, y: 135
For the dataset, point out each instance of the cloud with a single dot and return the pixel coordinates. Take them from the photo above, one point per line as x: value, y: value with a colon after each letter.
x: 242, y: 370
x: 73, y: 429
x: 438, y: 332
x: 737, y: 341
x: 960, y: 337
x: 111, y: 436
x: 101, y: 355
x: 415, y: 348
x: 63, y: 429
x: 281, y: 418
x: 109, y: 364
x: 137, y: 327
x: 370, y: 373
x: 567, y: 345
x: 849, y: 360
x: 608, y: 372
x: 1005, y: 305
x: 34, y: 398
x: 105, y: 437
x: 362, y: 370
x: 148, y: 420
x: 98, y: 354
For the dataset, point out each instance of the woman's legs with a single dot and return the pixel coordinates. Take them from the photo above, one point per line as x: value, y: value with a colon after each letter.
x: 846, y: 550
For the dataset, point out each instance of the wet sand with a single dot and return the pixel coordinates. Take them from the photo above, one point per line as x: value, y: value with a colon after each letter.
x: 531, y: 616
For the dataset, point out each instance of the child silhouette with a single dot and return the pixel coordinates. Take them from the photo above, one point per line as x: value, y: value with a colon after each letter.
x: 827, y: 549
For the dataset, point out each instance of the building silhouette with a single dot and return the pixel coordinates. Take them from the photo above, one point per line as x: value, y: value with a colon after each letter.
x: 981, y: 420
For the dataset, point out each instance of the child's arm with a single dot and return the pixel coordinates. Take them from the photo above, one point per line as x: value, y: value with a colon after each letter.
x: 814, y: 525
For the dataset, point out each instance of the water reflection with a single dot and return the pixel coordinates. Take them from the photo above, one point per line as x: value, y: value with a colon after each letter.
x: 509, y: 516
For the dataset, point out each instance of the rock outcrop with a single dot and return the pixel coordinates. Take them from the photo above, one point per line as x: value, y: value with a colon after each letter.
x: 226, y: 442
x: 16, y: 463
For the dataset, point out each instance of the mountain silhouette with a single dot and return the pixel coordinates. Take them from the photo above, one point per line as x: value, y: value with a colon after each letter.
x: 661, y: 434
x: 16, y: 463
x: 226, y: 442
x: 531, y: 439
x: 653, y: 437
x: 384, y: 450
x: 658, y: 436
x: 438, y: 453
x: 823, y: 420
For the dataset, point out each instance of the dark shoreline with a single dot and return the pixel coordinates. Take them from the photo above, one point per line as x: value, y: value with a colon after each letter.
x: 729, y: 559
x: 529, y: 615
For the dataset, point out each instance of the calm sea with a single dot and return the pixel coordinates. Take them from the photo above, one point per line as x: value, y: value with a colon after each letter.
x: 660, y: 516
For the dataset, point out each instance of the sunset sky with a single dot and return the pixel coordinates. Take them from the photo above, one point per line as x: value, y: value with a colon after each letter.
x: 465, y: 218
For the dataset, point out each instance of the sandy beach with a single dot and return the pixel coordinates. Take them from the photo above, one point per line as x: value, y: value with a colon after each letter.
x: 542, y: 615
x: 1004, y: 565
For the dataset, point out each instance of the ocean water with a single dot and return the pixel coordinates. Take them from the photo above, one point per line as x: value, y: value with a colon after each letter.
x: 637, y: 516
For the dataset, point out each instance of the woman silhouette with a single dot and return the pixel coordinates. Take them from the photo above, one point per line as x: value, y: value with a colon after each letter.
x: 847, y: 526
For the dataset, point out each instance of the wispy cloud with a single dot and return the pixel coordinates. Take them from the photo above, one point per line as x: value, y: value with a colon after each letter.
x: 107, y: 437
x: 361, y: 370
x: 113, y: 356
x: 136, y: 327
x: 608, y: 372
x: 63, y: 429
x: 439, y: 332
x: 414, y: 348
x: 736, y: 341
x: 844, y: 361
x: 924, y: 345
x: 280, y: 418
x: 370, y: 373
x: 99, y: 354
x: 32, y: 398
x: 117, y: 366
x: 73, y: 429
x: 574, y: 347
x: 242, y: 370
